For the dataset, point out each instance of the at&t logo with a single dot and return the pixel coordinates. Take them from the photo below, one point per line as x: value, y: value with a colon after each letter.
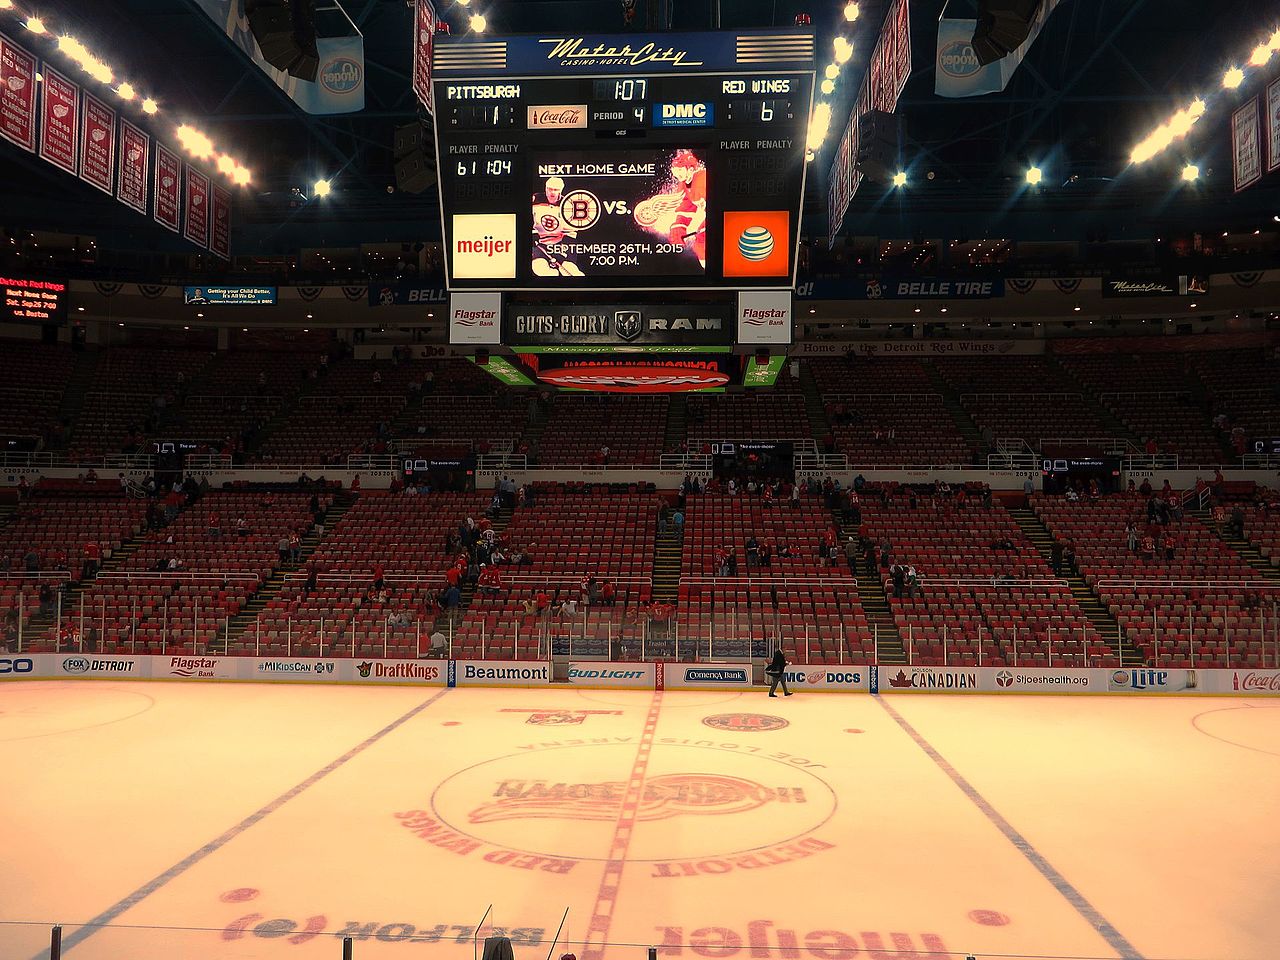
x: 341, y: 75
x: 755, y: 244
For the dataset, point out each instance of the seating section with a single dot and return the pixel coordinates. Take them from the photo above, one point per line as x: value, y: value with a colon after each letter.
x: 759, y: 416
x: 1022, y: 397
x: 816, y: 602
x: 1149, y: 393
x: 327, y: 429
x: 579, y: 427
x: 56, y: 527
x: 1197, y: 605
x: 1244, y: 390
x: 1262, y: 525
x: 33, y: 377
x: 977, y: 599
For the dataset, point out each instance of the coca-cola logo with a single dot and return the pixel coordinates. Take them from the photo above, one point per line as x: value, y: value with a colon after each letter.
x: 559, y: 117
x: 1269, y: 682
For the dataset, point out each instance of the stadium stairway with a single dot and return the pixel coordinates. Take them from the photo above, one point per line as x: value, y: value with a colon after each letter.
x: 77, y: 386
x: 819, y: 425
x: 959, y: 415
x: 1034, y: 529
x: 271, y: 587
x: 677, y: 430
x: 667, y: 551
x: 441, y: 623
x: 875, y: 604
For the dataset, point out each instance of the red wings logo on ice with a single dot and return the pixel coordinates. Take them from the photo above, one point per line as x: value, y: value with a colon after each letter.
x: 664, y: 797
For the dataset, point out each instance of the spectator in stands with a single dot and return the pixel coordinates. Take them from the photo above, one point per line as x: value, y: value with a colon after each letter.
x: 851, y: 554
x: 753, y: 550
x: 1148, y: 547
x: 379, y: 575
x: 377, y: 379
x: 24, y: 489
x: 242, y: 527
x: 1131, y: 535
x: 784, y: 551
x: 295, y: 547
x: 1028, y: 488
x: 1146, y: 489
x: 677, y: 522
x: 608, y: 594
x: 766, y: 499
x: 912, y: 581
x: 92, y: 559
x: 439, y: 644
x: 490, y: 580
x: 899, y: 577
x: 46, y: 600
x: 1069, y: 556
x: 568, y: 609
x: 732, y: 562
x: 282, y: 548
x: 1055, y: 558
x: 450, y: 600
x: 312, y: 580
x: 732, y: 487
x: 795, y: 496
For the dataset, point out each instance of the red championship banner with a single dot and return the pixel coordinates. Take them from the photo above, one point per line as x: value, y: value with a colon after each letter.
x: 98, y: 144
x: 196, y: 223
x: 168, y: 188
x: 424, y: 39
x: 17, y: 95
x: 131, y: 181
x: 220, y: 232
x: 60, y: 120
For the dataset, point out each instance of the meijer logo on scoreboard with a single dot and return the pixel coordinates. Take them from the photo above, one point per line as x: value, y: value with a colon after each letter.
x: 484, y: 246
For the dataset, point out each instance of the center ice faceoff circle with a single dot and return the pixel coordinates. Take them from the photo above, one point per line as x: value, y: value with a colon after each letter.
x: 695, y: 801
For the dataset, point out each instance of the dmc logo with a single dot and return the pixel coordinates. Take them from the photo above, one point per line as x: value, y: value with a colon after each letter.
x: 626, y: 324
x: 957, y: 59
x: 683, y: 114
x: 16, y: 665
x: 76, y: 665
x: 1004, y: 679
x: 341, y: 75
x: 755, y: 244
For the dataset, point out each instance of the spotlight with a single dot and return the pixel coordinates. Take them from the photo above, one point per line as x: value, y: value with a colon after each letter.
x: 149, y: 106
x: 1274, y: 43
x: 195, y: 142
x: 1197, y: 108
x: 241, y: 176
x: 851, y: 11
x: 73, y: 48
x: 1233, y: 78
x: 478, y: 23
x: 125, y: 91
x: 321, y: 188
x: 828, y: 87
x: 832, y: 71
x: 1034, y: 175
x: 1190, y: 172
x: 226, y: 166
x: 844, y: 50
x: 1194, y: 305
x: 917, y: 310
x: 900, y: 179
x: 1076, y: 308
x: 36, y: 25
x: 809, y: 155
x: 1261, y: 54
x: 6, y: 4
x: 813, y: 309
x: 463, y: 3
x: 943, y: 310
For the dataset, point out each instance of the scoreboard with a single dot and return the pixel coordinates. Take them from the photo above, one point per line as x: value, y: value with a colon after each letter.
x: 622, y: 162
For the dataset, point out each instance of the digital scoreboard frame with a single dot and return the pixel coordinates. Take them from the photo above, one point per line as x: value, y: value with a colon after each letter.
x: 622, y: 162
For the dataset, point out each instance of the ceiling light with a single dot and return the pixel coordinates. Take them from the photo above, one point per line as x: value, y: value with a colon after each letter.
x: 917, y: 310
x: 851, y: 11
x: 844, y: 50
x: 309, y: 317
x: 149, y: 106
x: 36, y: 25
x: 944, y: 310
x: 1076, y: 308
x: 900, y: 179
x: 199, y: 314
x: 1194, y: 305
x: 195, y: 142
x: 832, y: 71
x: 1190, y: 172
x: 6, y: 4
x: 1233, y: 78
x: 478, y: 23
x: 125, y: 91
x: 828, y: 87
x: 321, y: 188
x: 1261, y: 54
x: 1034, y: 175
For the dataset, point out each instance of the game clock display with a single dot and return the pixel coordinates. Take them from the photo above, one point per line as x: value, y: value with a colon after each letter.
x: 682, y: 167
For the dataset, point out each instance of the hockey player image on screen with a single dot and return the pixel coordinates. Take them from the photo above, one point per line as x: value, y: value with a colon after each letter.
x: 550, y: 229
x: 680, y: 210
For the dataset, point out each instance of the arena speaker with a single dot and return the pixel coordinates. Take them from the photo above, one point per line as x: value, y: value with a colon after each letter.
x: 498, y: 948
x: 878, y: 137
x: 414, y: 160
x: 1003, y: 26
x: 286, y: 35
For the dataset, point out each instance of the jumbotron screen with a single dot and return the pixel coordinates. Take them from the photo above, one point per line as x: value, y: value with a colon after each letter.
x: 622, y: 162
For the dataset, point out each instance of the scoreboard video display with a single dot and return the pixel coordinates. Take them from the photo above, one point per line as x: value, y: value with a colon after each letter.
x: 622, y: 162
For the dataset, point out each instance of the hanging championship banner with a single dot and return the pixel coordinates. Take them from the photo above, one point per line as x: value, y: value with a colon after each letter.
x: 17, y: 95
x: 1246, y: 146
x: 423, y: 42
x: 168, y: 188
x: 131, y: 178
x: 1273, y: 125
x: 195, y: 226
x: 59, y: 120
x: 220, y: 232
x: 98, y: 144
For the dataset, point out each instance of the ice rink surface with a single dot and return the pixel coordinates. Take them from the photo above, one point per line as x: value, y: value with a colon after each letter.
x: 163, y: 820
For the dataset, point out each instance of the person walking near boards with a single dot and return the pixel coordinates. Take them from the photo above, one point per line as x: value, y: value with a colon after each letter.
x: 776, y: 672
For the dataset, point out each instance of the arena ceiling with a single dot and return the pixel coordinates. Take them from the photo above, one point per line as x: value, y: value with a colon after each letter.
x: 1102, y: 74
